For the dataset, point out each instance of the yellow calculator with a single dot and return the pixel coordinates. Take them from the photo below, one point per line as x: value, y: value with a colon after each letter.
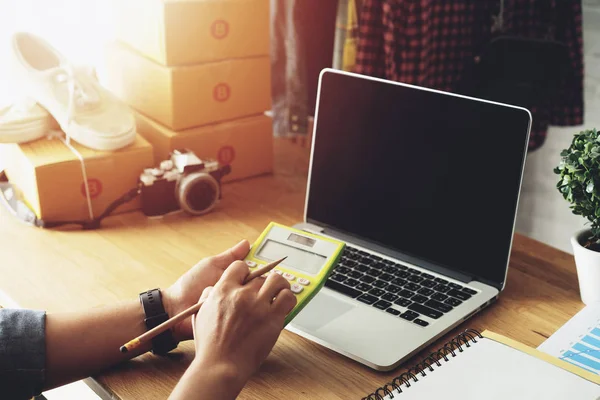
x: 310, y: 260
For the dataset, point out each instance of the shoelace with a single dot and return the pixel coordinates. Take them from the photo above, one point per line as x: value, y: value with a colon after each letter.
x: 79, y: 94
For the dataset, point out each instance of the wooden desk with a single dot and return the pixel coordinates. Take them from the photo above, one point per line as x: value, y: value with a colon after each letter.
x: 60, y: 271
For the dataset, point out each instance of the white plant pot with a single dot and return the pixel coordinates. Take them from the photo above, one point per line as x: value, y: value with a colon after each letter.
x: 588, y: 268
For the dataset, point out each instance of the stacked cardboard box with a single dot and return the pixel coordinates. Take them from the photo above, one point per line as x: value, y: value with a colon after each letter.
x: 198, y: 74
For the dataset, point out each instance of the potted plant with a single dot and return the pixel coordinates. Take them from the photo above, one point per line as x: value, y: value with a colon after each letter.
x: 579, y: 184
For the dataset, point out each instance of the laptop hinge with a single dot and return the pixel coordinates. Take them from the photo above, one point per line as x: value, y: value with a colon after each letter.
x: 311, y: 226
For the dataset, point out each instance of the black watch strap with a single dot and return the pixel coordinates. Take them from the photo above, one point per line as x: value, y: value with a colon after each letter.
x: 155, y: 315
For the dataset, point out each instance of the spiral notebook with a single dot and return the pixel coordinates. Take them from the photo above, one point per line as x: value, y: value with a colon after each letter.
x: 492, y: 367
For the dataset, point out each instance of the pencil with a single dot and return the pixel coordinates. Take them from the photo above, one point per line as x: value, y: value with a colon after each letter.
x: 157, y: 330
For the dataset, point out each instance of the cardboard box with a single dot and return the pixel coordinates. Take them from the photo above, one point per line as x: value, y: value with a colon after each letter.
x: 246, y: 144
x: 175, y: 33
x: 50, y: 176
x: 186, y: 97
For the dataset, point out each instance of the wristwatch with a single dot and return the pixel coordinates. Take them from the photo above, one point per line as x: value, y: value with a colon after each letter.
x: 155, y: 315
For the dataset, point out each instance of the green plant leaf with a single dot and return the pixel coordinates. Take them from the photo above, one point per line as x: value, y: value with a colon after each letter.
x: 590, y: 187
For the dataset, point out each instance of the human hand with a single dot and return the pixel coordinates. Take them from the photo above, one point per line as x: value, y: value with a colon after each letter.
x: 185, y: 292
x: 239, y: 323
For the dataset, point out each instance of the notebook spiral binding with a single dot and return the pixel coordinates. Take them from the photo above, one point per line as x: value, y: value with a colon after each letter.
x: 465, y: 339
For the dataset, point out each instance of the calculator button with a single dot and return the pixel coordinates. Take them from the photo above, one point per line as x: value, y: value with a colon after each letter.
x: 289, y: 276
x: 278, y: 272
x: 251, y: 264
x: 296, y: 288
x: 303, y: 281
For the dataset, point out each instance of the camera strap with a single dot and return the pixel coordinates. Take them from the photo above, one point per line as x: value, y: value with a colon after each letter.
x: 10, y: 197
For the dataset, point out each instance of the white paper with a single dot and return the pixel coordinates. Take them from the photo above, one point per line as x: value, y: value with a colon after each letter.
x: 578, y: 341
x: 494, y: 371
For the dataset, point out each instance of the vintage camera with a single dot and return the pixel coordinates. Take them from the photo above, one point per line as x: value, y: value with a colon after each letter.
x: 183, y: 182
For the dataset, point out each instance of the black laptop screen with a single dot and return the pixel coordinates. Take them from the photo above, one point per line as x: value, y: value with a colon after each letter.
x: 430, y: 175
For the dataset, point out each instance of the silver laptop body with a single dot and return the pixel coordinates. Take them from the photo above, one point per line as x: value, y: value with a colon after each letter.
x: 425, y: 238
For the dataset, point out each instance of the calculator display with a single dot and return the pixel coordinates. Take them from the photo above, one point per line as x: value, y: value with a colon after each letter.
x: 298, y: 259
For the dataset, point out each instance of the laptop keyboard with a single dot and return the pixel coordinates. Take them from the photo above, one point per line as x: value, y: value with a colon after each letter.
x: 395, y: 288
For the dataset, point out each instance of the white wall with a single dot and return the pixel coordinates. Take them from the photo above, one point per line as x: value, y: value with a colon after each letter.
x: 543, y: 213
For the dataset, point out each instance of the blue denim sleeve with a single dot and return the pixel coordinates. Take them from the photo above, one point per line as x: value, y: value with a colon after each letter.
x: 22, y: 353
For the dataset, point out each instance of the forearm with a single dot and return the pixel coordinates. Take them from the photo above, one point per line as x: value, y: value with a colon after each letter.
x: 201, y: 382
x: 84, y: 343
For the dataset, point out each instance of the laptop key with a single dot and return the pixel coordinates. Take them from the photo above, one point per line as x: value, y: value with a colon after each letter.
x: 400, y: 266
x: 403, y: 302
x: 382, y: 304
x: 428, y: 283
x: 387, y: 277
x: 362, y: 253
x: 393, y: 289
x: 409, y: 315
x: 374, y: 257
x: 427, y: 276
x: 364, y: 287
x: 361, y: 268
x: 374, y: 272
x: 390, y: 297
x: 453, y: 302
x: 407, y: 294
x: 436, y: 305
x: 401, y: 274
x: 469, y: 291
x: 351, y: 282
x: 366, y: 260
x: 426, y: 311
x: 455, y: 286
x: 413, y: 271
x: 419, y: 298
x: 380, y: 284
x: 393, y: 311
x: 420, y: 322
x: 415, y: 278
x: 390, y: 269
x: 440, y: 280
x: 436, y: 296
x: 350, y: 263
x: 399, y: 282
x: 338, y: 287
x: 338, y: 277
x: 376, y: 292
x: 354, y: 274
x: 412, y: 286
x: 441, y: 288
x: 459, y: 295
x: 366, y: 279
x: 367, y: 298
x: 425, y: 291
x: 342, y: 270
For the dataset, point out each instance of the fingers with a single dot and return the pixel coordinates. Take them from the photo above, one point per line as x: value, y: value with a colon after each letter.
x: 237, y: 252
x: 236, y: 273
x: 272, y: 286
x: 205, y: 293
x: 284, y: 302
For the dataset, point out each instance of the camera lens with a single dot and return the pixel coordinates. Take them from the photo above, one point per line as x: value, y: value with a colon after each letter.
x: 198, y: 193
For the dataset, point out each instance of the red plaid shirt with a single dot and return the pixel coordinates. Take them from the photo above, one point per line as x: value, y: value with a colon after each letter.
x: 429, y: 43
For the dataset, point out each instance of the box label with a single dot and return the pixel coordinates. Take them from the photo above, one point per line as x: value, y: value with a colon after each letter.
x: 219, y: 29
x: 221, y: 92
x: 226, y: 155
x: 94, y: 186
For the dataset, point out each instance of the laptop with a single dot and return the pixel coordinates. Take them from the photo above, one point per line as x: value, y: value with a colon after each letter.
x: 423, y: 187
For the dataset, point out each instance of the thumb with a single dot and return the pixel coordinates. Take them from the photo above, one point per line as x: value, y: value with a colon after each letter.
x: 237, y: 252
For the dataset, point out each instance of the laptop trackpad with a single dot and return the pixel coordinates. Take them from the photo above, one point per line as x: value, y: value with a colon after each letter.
x: 322, y: 310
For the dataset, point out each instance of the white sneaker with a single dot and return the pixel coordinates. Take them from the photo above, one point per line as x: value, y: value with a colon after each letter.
x: 23, y: 122
x: 85, y: 111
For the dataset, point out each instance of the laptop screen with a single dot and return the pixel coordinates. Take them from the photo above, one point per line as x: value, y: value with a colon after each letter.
x: 428, y: 174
